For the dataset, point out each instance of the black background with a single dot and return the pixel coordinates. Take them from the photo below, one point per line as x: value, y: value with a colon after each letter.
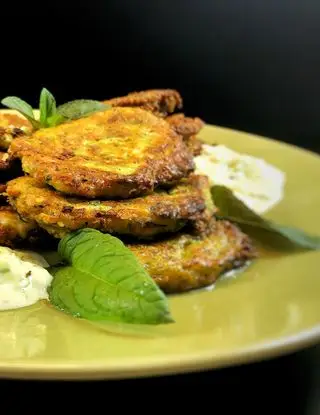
x: 252, y: 65
x: 247, y: 64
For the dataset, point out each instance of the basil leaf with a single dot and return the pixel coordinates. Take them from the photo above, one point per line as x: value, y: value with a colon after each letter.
x: 263, y: 230
x: 47, y: 106
x: 23, y: 107
x: 105, y: 281
x: 80, y: 107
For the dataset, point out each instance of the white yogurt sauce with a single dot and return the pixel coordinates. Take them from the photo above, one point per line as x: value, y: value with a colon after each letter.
x: 255, y: 182
x: 23, y: 278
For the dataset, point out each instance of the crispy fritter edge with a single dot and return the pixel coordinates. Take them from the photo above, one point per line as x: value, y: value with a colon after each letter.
x: 197, y: 271
x: 161, y: 102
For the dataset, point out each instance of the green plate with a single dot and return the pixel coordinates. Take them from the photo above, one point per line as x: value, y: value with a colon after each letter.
x: 270, y: 309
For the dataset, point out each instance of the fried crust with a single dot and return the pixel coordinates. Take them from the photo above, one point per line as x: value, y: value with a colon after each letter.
x: 194, y: 145
x: 160, y: 102
x: 188, y: 128
x: 12, y: 126
x: 3, y: 194
x: 5, y: 161
x: 185, y: 126
x: 144, y: 217
x: 14, y: 232
x: 184, y: 262
x: 118, y: 153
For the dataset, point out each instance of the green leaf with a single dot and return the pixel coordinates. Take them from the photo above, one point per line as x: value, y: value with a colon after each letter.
x: 263, y: 230
x: 104, y: 281
x: 47, y: 106
x: 55, y: 119
x: 80, y: 108
x: 23, y: 107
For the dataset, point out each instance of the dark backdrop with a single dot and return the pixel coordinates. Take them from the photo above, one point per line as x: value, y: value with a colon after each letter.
x: 251, y: 64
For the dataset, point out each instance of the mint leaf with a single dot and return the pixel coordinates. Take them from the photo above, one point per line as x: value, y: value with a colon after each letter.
x: 50, y: 114
x: 23, y: 107
x: 103, y: 280
x: 47, y: 106
x: 80, y: 107
x: 19, y: 105
x: 55, y: 119
x: 263, y: 230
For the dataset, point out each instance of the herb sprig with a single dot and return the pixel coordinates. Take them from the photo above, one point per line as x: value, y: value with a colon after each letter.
x: 51, y: 114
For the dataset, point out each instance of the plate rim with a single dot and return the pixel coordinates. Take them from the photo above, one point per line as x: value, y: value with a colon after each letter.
x: 161, y: 365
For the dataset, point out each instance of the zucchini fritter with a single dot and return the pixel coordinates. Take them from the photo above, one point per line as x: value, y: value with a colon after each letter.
x: 14, y: 231
x: 160, y: 102
x: 163, y: 211
x: 185, y: 126
x: 164, y: 102
x: 194, y: 145
x: 11, y: 126
x: 5, y: 161
x: 188, y: 128
x: 3, y: 194
x: 118, y: 153
x: 185, y: 262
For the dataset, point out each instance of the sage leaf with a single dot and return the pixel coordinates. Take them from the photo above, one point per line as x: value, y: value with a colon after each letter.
x: 263, y: 230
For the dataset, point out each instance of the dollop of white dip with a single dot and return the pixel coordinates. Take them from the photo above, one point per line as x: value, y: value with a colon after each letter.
x: 23, y: 278
x: 255, y: 182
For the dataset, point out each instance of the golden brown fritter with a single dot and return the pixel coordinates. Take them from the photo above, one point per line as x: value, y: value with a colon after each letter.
x: 13, y: 231
x: 9, y: 169
x: 12, y: 125
x: 185, y: 126
x: 161, y: 102
x: 118, y: 153
x: 188, y: 128
x: 186, y: 262
x: 194, y: 145
x: 5, y: 160
x: 3, y: 194
x: 189, y: 203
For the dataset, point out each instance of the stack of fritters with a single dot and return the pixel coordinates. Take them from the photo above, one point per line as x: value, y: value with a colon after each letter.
x: 129, y: 171
x: 11, y: 126
x: 164, y: 103
x: 13, y: 230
